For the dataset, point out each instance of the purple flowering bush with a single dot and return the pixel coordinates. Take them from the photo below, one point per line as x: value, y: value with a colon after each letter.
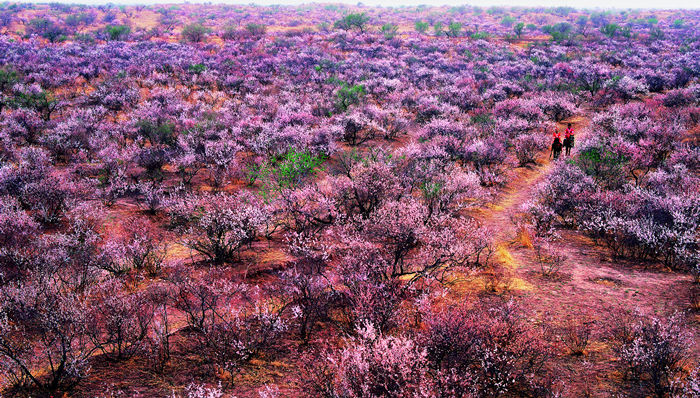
x: 235, y: 198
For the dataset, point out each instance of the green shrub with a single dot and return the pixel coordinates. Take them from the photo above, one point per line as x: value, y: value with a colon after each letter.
x: 47, y: 29
x: 626, y: 31
x: 656, y: 33
x: 482, y: 119
x: 351, y: 21
x: 43, y: 102
x: 559, y: 32
x: 157, y: 132
x: 480, y: 35
x: 84, y: 38
x: 8, y: 78
x: 349, y: 95
x: 507, y: 21
x: 437, y: 28
x: 610, y: 29
x: 284, y: 172
x: 194, y: 33
x: 256, y: 29
x: 117, y: 32
x: 389, y: 30
x: 454, y: 29
x: 604, y: 164
x: 323, y: 27
x: 196, y: 68
x: 495, y: 10
x: 229, y: 32
x: 518, y: 29
x: 422, y: 26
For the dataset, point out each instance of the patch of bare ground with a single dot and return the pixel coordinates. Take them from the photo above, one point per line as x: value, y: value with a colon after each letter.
x: 591, y: 286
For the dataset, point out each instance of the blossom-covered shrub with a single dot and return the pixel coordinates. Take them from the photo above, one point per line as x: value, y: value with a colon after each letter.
x: 488, y: 158
x: 527, y: 147
x: 368, y: 295
x: 374, y: 365
x: 239, y: 332
x: 18, y: 230
x: 655, y: 353
x: 309, y: 294
x: 119, y: 322
x: 43, y: 335
x: 627, y: 87
x: 566, y: 192
x: 225, y: 225
x: 484, y: 351
x: 142, y: 247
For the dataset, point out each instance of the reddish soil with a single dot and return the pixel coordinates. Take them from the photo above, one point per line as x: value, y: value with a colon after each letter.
x: 590, y: 285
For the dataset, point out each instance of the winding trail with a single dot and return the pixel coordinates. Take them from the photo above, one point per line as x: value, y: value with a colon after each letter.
x: 590, y: 286
x: 521, y: 189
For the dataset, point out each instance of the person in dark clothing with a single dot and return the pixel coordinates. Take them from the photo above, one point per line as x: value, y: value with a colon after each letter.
x: 568, y: 139
x: 556, y: 146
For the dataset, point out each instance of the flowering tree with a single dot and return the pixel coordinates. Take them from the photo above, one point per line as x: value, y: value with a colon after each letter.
x: 226, y: 225
x: 142, y: 247
x: 310, y: 295
x: 655, y: 353
x: 527, y: 147
x: 43, y: 335
x: 119, y: 322
x: 484, y: 351
x: 374, y: 365
x: 17, y: 232
x: 365, y: 185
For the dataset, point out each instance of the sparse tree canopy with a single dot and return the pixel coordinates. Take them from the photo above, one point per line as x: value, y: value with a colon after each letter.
x: 353, y: 21
x: 610, y: 29
x: 454, y: 29
x: 117, y: 32
x: 389, y: 30
x: 194, y: 33
x: 518, y: 29
x: 422, y: 26
x: 47, y: 29
x: 256, y: 30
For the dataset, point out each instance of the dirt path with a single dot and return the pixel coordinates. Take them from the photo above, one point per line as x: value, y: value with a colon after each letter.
x: 522, y: 187
x: 591, y: 286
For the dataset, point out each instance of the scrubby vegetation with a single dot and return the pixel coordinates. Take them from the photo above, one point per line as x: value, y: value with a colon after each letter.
x: 326, y: 200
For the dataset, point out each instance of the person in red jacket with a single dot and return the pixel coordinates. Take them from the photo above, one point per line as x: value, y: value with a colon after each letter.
x: 568, y: 139
x: 556, y: 145
x: 556, y: 134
